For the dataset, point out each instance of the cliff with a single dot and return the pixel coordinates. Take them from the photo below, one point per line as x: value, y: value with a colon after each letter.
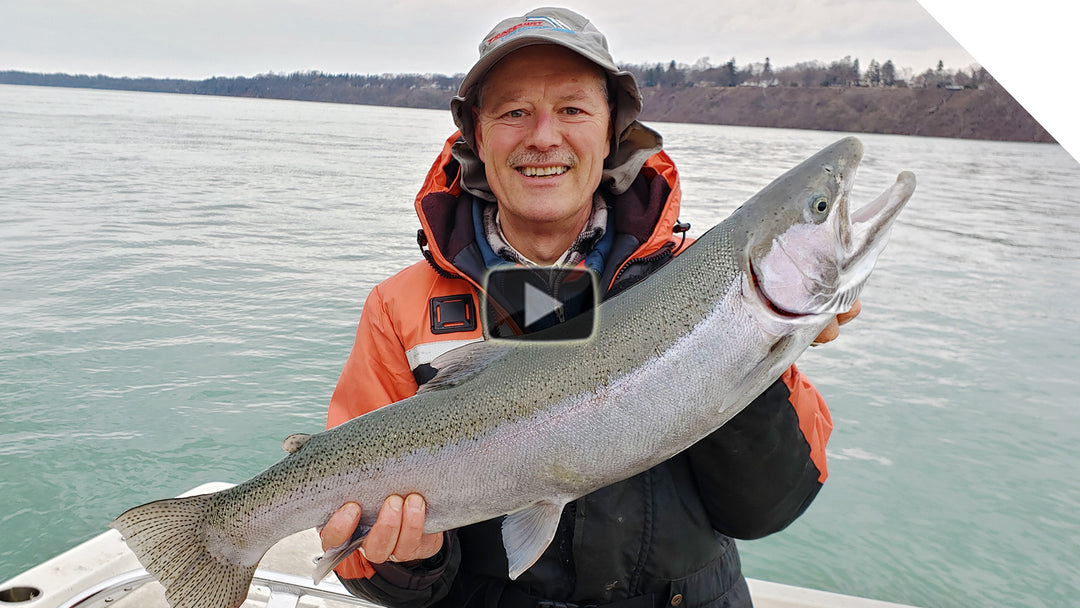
x: 984, y: 113
x: 989, y: 113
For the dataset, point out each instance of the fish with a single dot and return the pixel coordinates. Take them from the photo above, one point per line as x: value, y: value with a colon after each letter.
x: 521, y: 428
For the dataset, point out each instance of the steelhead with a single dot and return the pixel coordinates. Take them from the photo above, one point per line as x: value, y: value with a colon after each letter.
x: 522, y: 428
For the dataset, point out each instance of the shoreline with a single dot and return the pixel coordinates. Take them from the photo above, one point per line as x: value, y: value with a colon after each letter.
x: 985, y: 113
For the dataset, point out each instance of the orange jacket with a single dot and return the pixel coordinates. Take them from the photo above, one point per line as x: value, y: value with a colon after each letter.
x: 395, y: 335
x: 400, y: 330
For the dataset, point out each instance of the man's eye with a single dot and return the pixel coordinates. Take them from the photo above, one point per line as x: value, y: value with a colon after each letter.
x: 573, y: 111
x: 515, y: 113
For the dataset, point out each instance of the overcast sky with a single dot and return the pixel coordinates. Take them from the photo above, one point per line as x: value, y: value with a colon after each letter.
x: 203, y: 38
x: 1018, y: 40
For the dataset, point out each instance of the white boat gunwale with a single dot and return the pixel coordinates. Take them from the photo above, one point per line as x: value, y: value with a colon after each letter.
x: 103, y: 572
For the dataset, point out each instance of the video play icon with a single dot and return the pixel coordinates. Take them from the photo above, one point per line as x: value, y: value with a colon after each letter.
x: 539, y: 303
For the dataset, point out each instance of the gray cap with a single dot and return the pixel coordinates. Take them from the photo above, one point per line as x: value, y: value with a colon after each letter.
x: 568, y: 29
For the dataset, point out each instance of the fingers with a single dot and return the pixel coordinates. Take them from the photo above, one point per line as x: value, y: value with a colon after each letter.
x: 398, y: 533
x: 844, y: 317
x: 382, y: 539
x: 427, y: 545
x: 832, y: 330
x: 339, y: 528
x: 412, y: 529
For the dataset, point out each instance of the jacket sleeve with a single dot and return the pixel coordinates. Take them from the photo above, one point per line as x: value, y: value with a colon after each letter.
x: 377, y: 373
x: 401, y: 586
x: 761, y: 470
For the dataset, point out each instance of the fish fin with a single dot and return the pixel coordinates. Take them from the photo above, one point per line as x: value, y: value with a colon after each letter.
x: 527, y: 533
x: 294, y: 442
x: 169, y: 538
x: 335, y: 555
x: 458, y: 365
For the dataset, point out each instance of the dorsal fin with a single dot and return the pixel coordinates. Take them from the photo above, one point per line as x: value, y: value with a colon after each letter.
x: 293, y: 443
x: 458, y: 365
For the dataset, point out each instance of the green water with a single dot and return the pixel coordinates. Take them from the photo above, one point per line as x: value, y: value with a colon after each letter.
x: 181, y: 277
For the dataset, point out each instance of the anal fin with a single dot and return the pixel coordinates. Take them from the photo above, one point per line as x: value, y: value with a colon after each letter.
x: 528, y: 532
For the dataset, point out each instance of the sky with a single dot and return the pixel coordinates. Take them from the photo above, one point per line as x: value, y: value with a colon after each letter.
x: 204, y: 38
x: 198, y: 39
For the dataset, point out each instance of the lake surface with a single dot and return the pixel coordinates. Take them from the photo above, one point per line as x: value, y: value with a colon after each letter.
x: 181, y: 277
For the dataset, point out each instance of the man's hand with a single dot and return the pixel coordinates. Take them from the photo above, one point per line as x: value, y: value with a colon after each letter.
x: 398, y: 533
x: 832, y: 330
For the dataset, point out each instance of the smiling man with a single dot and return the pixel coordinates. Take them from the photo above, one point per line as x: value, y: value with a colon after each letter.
x: 550, y: 170
x: 543, y: 130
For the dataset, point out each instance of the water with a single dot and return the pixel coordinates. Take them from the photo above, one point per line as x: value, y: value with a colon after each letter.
x: 180, y: 280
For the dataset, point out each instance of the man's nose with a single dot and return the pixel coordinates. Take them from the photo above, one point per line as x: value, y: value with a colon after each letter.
x: 546, y: 131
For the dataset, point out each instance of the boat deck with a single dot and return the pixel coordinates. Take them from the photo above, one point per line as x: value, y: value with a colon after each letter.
x: 104, y: 572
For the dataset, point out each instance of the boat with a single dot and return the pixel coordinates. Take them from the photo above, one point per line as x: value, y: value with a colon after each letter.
x: 103, y: 572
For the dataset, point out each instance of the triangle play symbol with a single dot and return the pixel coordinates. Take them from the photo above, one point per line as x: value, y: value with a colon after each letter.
x: 538, y: 304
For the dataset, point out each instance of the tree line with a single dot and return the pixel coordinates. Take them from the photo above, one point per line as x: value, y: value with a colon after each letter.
x: 406, y: 90
x: 844, y: 72
x: 433, y: 90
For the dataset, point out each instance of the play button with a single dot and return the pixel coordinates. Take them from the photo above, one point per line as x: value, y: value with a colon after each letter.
x: 539, y: 303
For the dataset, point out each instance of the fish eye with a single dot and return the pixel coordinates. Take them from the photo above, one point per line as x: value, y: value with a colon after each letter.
x: 819, y: 205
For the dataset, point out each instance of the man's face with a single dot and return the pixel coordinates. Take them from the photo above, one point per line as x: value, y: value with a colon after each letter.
x: 543, y: 131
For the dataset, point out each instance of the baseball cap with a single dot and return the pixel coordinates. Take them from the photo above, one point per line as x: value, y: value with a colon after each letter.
x: 547, y: 26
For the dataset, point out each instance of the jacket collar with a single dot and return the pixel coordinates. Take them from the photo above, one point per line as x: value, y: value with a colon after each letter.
x: 645, y: 210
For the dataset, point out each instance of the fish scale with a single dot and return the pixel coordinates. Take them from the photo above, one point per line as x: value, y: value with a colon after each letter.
x: 522, y: 428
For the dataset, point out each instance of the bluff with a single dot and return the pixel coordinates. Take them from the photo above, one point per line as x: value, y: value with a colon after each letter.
x: 989, y: 113
x: 983, y: 113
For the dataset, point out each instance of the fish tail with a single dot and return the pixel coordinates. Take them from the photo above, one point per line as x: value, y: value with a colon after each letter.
x: 170, y: 539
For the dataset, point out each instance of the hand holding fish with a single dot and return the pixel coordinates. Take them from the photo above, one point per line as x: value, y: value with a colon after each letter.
x: 396, y: 536
x: 832, y: 330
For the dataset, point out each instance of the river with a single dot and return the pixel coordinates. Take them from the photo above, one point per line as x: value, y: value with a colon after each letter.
x: 181, y: 277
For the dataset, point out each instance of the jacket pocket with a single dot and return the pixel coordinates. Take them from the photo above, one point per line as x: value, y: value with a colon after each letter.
x: 720, y: 584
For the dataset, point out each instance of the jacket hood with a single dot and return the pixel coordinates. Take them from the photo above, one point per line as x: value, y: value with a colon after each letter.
x: 645, y: 204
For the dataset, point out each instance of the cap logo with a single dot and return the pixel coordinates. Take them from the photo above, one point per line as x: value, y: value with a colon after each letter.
x: 530, y: 23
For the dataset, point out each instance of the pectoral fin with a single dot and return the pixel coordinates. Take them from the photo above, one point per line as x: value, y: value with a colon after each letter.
x: 334, y: 556
x: 527, y: 533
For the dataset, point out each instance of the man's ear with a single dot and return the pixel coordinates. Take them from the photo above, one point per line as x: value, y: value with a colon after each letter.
x: 612, y: 136
x: 611, y: 139
x: 478, y: 135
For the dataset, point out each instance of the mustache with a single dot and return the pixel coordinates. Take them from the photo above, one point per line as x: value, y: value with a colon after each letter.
x: 533, y: 158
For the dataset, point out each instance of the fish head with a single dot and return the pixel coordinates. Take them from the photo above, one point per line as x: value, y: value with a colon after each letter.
x: 809, y: 252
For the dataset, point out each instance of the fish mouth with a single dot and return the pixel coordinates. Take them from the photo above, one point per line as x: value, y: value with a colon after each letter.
x: 869, y: 228
x: 883, y: 210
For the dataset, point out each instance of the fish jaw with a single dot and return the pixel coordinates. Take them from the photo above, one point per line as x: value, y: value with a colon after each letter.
x: 870, y: 228
x: 816, y: 264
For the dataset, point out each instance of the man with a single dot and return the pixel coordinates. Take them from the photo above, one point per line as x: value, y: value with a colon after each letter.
x: 551, y: 167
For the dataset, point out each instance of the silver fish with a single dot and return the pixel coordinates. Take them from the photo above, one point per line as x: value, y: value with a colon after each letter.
x: 522, y: 428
